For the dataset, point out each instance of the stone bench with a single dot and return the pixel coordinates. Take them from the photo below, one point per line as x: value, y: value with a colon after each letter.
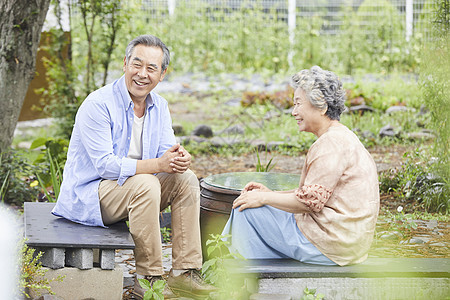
x: 376, y: 278
x: 84, y: 254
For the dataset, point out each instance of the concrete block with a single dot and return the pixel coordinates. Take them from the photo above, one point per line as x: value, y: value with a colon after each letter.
x: 79, y: 284
x: 80, y: 258
x: 52, y: 258
x: 360, y: 288
x: 107, y: 259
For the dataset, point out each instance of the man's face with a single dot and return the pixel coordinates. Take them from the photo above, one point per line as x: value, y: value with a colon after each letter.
x: 143, y: 71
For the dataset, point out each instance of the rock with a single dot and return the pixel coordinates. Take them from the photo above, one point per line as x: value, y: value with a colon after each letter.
x: 387, y: 130
x: 423, y: 110
x: 396, y: 108
x: 413, y: 241
x: 260, y: 145
x: 432, y: 224
x: 421, y: 135
x: 178, y: 129
x: 361, y: 109
x: 225, y: 141
x: 233, y: 102
x: 391, y: 235
x: 438, y: 245
x: 186, y: 140
x: 203, y: 130
x: 235, y: 129
x: 367, y: 134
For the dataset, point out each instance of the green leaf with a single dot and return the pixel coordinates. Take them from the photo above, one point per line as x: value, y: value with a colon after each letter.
x: 158, y: 296
x: 144, y: 283
x: 148, y: 295
x: 207, y: 264
x: 210, y: 250
x: 38, y: 143
x: 159, y: 285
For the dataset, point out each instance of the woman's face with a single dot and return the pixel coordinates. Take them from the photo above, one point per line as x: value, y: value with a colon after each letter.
x: 309, y: 118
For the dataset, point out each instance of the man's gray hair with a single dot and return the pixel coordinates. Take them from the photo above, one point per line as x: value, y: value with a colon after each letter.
x: 323, y: 89
x: 151, y: 41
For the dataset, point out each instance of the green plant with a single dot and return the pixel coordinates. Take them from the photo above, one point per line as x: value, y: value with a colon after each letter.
x: 310, y: 294
x: 4, y: 185
x: 215, y: 270
x: 263, y: 168
x: 166, y: 234
x: 15, y: 178
x: 415, y: 179
x: 153, y: 292
x: 32, y: 274
x: 435, y: 85
x: 51, y: 160
x: 401, y: 221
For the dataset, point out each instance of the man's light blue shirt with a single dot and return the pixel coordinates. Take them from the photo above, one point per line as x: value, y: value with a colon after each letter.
x: 99, y: 146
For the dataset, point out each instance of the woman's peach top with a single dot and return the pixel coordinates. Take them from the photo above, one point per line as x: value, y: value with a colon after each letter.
x: 339, y: 184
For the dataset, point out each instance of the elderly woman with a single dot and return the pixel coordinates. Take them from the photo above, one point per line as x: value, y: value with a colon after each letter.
x: 330, y: 219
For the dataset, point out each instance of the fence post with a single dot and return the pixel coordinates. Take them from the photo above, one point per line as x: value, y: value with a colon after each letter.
x: 171, y: 7
x: 292, y: 16
x: 409, y: 19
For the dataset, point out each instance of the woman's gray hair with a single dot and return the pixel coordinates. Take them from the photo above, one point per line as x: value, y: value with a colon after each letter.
x: 323, y: 89
x: 151, y: 41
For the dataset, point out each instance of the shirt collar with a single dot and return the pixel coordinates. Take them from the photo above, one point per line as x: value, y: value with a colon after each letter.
x: 126, y: 96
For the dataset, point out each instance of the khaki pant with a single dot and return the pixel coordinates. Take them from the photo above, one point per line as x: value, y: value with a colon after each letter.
x: 140, y: 199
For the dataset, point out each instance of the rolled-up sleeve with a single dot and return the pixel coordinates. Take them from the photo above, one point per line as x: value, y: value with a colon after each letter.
x: 313, y: 196
x: 128, y: 169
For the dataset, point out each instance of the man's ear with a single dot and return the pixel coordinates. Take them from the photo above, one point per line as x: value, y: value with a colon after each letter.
x: 162, y: 75
x: 124, y: 64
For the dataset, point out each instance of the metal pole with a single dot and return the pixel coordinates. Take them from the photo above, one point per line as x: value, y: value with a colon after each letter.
x: 292, y: 14
x: 409, y: 19
x: 171, y: 7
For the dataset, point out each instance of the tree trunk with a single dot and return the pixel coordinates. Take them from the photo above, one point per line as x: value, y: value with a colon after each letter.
x: 20, y: 31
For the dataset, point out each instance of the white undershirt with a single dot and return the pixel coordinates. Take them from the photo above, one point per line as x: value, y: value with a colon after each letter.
x: 136, y: 138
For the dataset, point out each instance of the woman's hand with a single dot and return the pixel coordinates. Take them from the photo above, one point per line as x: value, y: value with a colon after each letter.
x: 251, y: 199
x: 255, y: 186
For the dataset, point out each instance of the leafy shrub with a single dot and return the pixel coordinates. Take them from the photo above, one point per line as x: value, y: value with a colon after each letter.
x: 435, y: 88
x: 215, y: 270
x: 281, y: 99
x: 16, y: 176
x: 415, y: 179
x: 32, y: 273
x: 51, y: 162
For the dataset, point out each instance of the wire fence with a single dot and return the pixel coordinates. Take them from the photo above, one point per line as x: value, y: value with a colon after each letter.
x: 416, y: 15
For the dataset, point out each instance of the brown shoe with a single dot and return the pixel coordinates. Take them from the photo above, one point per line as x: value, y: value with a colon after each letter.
x: 139, y: 291
x: 190, y: 283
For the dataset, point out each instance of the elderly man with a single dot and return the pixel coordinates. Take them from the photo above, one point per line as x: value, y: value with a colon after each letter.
x: 123, y: 162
